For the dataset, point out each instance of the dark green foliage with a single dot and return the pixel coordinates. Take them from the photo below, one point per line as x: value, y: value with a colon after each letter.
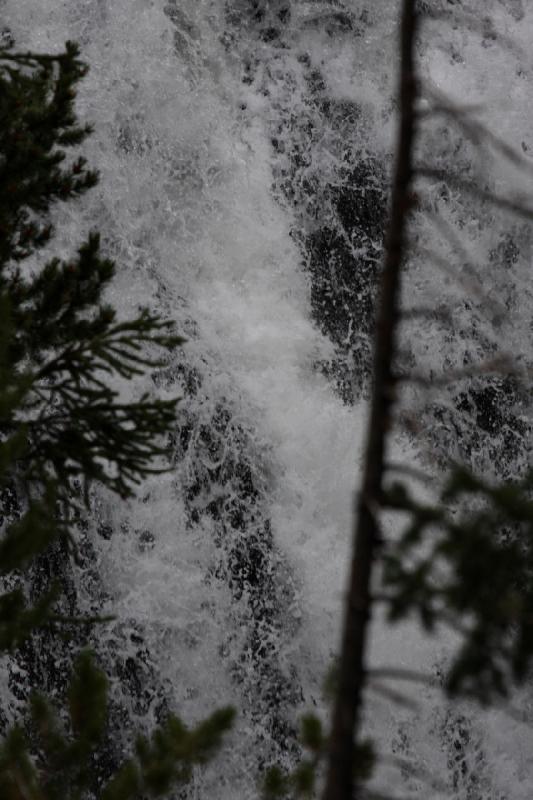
x: 302, y: 780
x: 276, y: 783
x: 62, y: 423
x: 17, y: 621
x: 62, y: 768
x: 169, y: 757
x: 468, y: 561
x: 37, y: 120
x: 311, y: 734
x: 63, y: 349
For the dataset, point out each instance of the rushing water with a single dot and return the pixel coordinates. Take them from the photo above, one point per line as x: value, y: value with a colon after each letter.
x: 244, y: 150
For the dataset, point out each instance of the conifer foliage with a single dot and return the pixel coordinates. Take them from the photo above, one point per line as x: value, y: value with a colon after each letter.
x: 63, y: 426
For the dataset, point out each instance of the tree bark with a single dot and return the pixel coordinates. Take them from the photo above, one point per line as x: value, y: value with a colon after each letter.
x: 346, y: 715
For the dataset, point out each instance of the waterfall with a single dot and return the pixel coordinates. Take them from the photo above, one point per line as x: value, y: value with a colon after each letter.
x: 244, y: 150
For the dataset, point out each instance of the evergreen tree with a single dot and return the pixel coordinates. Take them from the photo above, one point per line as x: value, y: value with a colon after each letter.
x: 63, y: 428
x: 465, y: 561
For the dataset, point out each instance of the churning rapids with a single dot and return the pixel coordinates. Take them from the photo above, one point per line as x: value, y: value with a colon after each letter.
x: 244, y: 149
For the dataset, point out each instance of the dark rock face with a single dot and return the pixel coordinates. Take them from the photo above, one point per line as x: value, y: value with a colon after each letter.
x: 339, y: 214
x: 343, y: 262
x: 342, y: 249
x: 266, y: 17
x: 469, y: 769
x: 496, y: 406
x: 226, y: 484
x: 485, y: 425
x: 44, y: 662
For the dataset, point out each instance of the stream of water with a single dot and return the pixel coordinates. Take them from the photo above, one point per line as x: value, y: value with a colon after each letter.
x: 244, y: 151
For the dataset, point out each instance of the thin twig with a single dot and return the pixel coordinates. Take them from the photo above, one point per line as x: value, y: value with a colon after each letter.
x: 66, y: 620
x: 500, y: 364
x: 474, y: 287
x: 474, y: 283
x: 515, y: 207
x: 400, y: 674
x: 407, y: 469
x: 415, y: 771
x: 394, y: 696
x: 442, y: 314
x: 475, y: 129
x: 471, y: 22
x: 376, y: 795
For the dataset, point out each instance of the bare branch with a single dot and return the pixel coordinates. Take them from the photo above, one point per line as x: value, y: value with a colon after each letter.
x: 475, y: 129
x: 472, y: 22
x: 376, y: 795
x: 501, y: 364
x: 472, y: 285
x: 415, y: 771
x: 516, y: 207
x: 394, y: 696
x: 400, y: 674
x: 472, y: 282
x: 442, y: 314
x: 407, y: 469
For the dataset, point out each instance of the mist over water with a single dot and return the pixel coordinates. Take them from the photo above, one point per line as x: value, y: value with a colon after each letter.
x: 244, y: 151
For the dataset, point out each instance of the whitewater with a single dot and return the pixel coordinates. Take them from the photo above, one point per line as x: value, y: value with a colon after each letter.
x: 244, y: 152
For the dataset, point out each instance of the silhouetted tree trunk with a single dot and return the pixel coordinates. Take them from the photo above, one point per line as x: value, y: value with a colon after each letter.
x: 346, y: 716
